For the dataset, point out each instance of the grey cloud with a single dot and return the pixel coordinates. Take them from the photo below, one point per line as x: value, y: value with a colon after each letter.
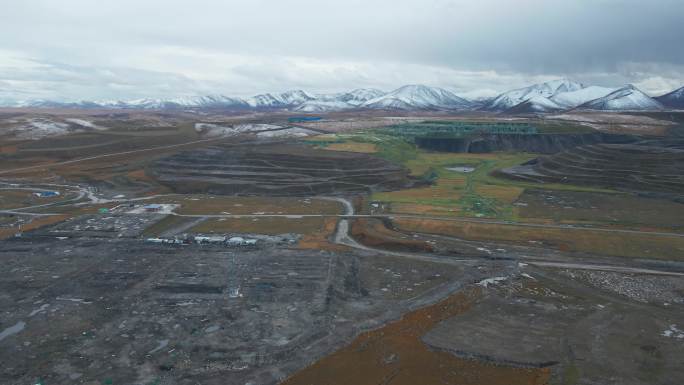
x: 128, y: 47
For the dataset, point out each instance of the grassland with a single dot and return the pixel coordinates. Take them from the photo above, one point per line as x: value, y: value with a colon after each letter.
x: 12, y: 199
x: 354, y: 147
x: 374, y: 233
x: 34, y: 224
x: 365, y: 360
x: 321, y: 238
x: 601, y: 208
x: 642, y: 245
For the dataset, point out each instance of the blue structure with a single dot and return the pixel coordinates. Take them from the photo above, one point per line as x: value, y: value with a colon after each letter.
x: 47, y: 194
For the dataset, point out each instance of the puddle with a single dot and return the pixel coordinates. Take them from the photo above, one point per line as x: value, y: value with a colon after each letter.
x: 463, y: 169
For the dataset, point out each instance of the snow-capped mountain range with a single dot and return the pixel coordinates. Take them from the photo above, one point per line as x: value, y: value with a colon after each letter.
x: 624, y: 99
x: 418, y: 97
x: 553, y: 96
x: 561, y: 95
x: 674, y: 99
x: 538, y: 94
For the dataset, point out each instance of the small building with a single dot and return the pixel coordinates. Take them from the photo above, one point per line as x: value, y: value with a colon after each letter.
x: 153, y: 208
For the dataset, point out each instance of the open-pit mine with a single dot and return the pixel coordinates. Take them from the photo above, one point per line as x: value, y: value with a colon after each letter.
x: 150, y: 248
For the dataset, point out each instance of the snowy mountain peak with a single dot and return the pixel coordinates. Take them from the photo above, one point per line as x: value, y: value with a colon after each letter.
x: 549, y: 89
x: 207, y: 101
x: 674, y: 99
x: 556, y: 95
x: 624, y: 99
x: 536, y: 104
x: 317, y: 106
x: 296, y: 96
x: 361, y: 95
x: 562, y: 85
x: 576, y: 98
x: 417, y: 96
x: 678, y: 93
x: 366, y: 92
x: 286, y: 99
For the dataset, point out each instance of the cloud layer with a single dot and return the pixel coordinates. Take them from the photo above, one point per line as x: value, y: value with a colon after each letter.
x: 81, y: 49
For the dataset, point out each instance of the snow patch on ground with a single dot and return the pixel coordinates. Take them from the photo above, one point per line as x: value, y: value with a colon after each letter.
x: 295, y: 132
x: 86, y: 123
x: 491, y: 281
x: 41, y: 128
x: 673, y: 332
x: 42, y: 308
x: 215, y: 130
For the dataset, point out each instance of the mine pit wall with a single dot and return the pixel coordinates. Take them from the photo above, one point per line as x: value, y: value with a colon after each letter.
x: 278, y: 171
x: 536, y: 143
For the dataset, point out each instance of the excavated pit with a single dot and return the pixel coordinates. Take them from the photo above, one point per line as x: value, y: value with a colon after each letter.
x: 278, y: 170
x: 653, y: 170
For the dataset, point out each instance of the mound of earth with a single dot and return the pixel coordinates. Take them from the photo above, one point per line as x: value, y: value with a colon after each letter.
x: 278, y: 170
x: 645, y: 168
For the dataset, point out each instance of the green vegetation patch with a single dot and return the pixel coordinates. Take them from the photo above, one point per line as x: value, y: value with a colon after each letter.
x: 474, y: 194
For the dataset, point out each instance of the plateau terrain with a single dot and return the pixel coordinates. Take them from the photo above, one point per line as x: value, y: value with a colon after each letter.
x: 365, y: 237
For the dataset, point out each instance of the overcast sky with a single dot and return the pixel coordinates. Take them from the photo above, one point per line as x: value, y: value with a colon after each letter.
x: 88, y: 49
